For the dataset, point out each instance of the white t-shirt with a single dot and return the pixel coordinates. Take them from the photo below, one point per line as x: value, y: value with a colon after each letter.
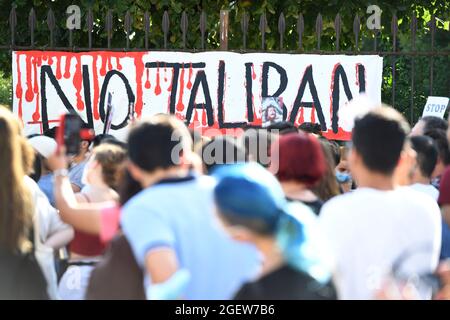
x: 426, y: 188
x: 370, y: 230
x: 49, y: 220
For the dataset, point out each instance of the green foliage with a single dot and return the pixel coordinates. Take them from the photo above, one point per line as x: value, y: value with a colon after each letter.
x: 291, y: 9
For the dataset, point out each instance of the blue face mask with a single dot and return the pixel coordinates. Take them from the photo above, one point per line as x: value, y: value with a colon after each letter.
x: 343, y: 177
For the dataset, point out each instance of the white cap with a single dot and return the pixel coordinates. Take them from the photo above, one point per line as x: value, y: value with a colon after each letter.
x: 45, y: 146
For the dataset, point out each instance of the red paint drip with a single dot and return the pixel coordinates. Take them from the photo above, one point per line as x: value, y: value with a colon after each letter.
x: 158, y: 86
x: 29, y: 96
x: 119, y: 66
x: 253, y: 72
x: 195, y: 116
x: 67, y: 67
x: 180, y: 105
x: 313, y: 114
x: 58, y: 68
x: 147, y: 82
x: 50, y: 61
x: 36, y: 115
x: 96, y: 87
x: 36, y: 63
x: 169, y: 88
x: 77, y: 82
x: 204, y: 120
x: 189, y: 84
x: 103, y: 67
x: 109, y: 64
x: 139, y: 64
x: 19, y: 91
x: 302, y: 116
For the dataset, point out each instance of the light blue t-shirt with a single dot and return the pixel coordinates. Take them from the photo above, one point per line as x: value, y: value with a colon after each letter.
x: 76, y: 174
x: 180, y: 214
x: 45, y: 183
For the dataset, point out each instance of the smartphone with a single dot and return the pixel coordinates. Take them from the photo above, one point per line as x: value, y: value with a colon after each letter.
x: 70, y: 133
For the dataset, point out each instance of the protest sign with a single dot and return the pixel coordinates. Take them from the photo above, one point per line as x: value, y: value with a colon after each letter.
x: 220, y: 90
x: 435, y: 106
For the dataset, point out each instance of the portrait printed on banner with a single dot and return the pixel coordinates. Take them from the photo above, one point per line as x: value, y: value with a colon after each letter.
x: 272, y: 110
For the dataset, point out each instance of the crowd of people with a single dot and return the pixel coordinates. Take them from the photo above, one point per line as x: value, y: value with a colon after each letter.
x: 275, y: 213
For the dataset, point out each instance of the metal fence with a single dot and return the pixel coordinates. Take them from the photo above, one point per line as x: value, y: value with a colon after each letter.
x: 126, y: 24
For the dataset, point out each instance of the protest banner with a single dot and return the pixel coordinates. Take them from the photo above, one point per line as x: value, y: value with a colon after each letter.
x: 219, y: 90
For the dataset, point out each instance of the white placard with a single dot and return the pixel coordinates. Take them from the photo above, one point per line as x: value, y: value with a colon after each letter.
x: 435, y: 106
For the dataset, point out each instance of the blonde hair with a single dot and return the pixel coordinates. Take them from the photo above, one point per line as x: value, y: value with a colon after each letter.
x: 16, y: 207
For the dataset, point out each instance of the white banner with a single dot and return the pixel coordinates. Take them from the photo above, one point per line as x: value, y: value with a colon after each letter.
x: 218, y: 90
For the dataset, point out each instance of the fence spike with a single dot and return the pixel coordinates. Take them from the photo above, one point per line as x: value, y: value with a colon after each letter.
x: 90, y: 25
x: 109, y: 27
x: 51, y: 25
x: 262, y: 29
x: 12, y: 24
x: 281, y: 28
x: 146, y: 28
x: 203, y: 28
x: 300, y: 30
x: 184, y: 27
x: 318, y: 29
x: 32, y: 25
x: 244, y: 28
x: 127, y: 24
x: 356, y: 30
x: 337, y: 29
x: 165, y: 27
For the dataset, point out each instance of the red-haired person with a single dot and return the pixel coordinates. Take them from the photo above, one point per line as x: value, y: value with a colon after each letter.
x: 299, y: 164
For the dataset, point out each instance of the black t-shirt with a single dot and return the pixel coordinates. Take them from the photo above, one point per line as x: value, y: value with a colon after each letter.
x: 286, y: 283
x: 315, y: 206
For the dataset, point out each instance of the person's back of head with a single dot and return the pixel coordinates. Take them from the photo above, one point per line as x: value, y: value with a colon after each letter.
x: 298, y: 157
x: 158, y: 142
x: 431, y: 123
x: 99, y: 138
x: 222, y: 150
x: 427, y: 154
x: 282, y: 127
x: 378, y: 137
x: 440, y: 139
x: 310, y: 127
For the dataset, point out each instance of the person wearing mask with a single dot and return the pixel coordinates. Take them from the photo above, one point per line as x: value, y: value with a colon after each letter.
x: 426, y: 159
x: 20, y: 275
x: 78, y: 162
x: 252, y: 207
x: 373, y: 227
x: 343, y: 175
x: 428, y: 123
x: 299, y: 164
x: 170, y: 224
